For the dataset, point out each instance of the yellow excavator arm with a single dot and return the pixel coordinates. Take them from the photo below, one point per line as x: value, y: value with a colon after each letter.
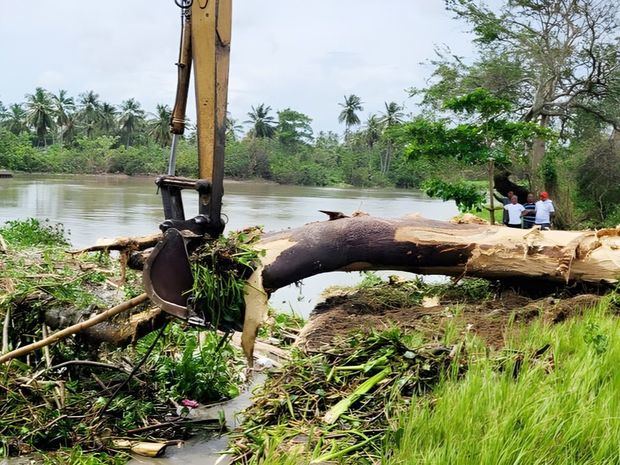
x: 205, y: 48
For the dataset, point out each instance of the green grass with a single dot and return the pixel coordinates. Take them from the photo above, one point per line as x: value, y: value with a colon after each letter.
x: 561, y: 408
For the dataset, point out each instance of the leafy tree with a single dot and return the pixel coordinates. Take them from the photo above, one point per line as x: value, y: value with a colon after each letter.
x: 486, y: 133
x: 40, y: 113
x: 352, y: 104
x: 131, y: 119
x: 465, y: 194
x: 549, y: 58
x: 294, y: 127
x: 159, y: 126
x: 263, y: 124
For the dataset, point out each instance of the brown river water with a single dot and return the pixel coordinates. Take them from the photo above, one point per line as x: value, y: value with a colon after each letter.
x: 94, y: 207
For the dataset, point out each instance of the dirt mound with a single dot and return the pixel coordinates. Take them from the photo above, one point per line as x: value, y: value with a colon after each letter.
x: 489, y: 318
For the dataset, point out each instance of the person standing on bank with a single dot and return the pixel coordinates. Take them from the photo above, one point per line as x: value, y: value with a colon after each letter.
x: 514, y: 210
x: 505, y: 201
x: 529, y: 214
x: 544, y: 212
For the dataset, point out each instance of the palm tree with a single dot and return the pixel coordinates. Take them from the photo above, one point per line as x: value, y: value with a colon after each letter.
x: 4, y: 113
x: 16, y: 119
x: 132, y: 117
x: 159, y: 126
x: 40, y: 113
x: 69, y: 131
x: 372, y: 130
x: 64, y: 106
x: 393, y: 115
x: 90, y: 109
x: 233, y: 128
x: 263, y: 124
x: 108, y: 119
x: 348, y: 115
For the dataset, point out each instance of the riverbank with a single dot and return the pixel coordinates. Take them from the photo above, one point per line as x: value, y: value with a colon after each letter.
x: 404, y: 372
x: 327, y: 162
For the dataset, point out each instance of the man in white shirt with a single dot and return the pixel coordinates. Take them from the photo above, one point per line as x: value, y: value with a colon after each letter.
x: 514, y: 209
x: 544, y: 212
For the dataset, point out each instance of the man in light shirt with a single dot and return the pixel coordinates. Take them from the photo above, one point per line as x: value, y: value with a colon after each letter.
x: 514, y: 209
x: 544, y: 212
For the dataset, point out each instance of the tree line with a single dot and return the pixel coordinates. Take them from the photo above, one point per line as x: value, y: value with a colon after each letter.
x: 90, y: 135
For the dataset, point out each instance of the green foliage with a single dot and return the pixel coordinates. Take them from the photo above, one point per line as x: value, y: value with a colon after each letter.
x: 593, y: 336
x: 294, y: 127
x: 479, y: 101
x: 352, y: 104
x: 263, y: 124
x: 435, y: 139
x: 219, y: 268
x: 598, y: 181
x: 17, y: 153
x: 466, y: 194
x: 33, y: 232
x: 193, y: 364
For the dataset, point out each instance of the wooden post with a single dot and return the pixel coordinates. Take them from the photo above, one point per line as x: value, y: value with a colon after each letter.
x: 492, y: 188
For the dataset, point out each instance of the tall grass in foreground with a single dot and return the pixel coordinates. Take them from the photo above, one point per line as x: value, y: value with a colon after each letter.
x: 559, y: 408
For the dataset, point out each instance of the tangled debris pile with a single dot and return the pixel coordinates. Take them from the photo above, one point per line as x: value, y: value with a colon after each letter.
x: 84, y: 389
x: 339, y: 404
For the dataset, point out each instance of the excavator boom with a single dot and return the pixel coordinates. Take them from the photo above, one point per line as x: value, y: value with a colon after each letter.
x: 205, y: 47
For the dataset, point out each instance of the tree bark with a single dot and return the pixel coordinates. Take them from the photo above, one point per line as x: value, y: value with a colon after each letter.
x: 503, y: 185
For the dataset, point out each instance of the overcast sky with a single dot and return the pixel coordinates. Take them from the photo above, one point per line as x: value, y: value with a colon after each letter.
x: 286, y: 53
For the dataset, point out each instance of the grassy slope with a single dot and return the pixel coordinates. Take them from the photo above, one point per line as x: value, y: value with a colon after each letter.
x: 562, y: 407
x: 561, y: 410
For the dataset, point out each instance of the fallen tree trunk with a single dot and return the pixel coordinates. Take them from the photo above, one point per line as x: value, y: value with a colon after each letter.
x: 419, y: 245
x: 425, y: 246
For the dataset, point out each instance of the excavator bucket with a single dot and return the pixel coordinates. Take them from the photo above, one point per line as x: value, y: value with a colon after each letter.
x: 167, y: 275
